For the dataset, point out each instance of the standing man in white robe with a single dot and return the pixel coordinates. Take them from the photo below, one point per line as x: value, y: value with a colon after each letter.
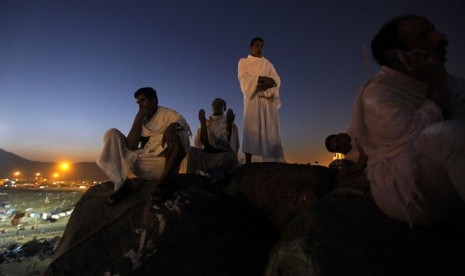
x: 409, y: 119
x: 153, y: 150
x: 216, y: 142
x: 260, y: 85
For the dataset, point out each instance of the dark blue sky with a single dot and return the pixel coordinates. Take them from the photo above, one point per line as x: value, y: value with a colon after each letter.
x: 68, y: 69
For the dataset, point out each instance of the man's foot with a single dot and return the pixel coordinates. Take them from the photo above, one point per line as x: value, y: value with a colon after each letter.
x: 158, y: 196
x: 119, y: 194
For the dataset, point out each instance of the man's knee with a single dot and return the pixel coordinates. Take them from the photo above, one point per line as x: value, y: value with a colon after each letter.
x: 442, y: 134
x: 439, y: 144
x: 175, y: 151
x: 111, y: 134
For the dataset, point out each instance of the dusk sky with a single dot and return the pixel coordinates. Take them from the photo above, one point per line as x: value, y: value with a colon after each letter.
x: 68, y: 69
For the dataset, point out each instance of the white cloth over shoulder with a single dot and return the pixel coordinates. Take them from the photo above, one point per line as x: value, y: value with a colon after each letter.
x: 155, y: 128
x: 261, y: 134
x: 117, y: 161
x: 218, y: 135
x: 405, y: 136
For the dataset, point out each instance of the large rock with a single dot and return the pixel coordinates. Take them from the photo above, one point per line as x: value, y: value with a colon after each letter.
x: 280, y: 190
x: 198, y: 231
x: 344, y: 233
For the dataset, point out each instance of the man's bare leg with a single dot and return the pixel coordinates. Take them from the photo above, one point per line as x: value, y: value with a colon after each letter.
x: 118, y: 195
x: 174, y: 157
x: 248, y: 158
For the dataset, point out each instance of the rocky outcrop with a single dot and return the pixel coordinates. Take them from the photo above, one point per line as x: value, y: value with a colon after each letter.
x: 199, y: 230
x: 272, y: 219
x: 344, y: 233
x: 281, y: 191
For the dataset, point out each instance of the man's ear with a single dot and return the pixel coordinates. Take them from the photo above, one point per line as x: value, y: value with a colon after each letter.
x: 391, y: 55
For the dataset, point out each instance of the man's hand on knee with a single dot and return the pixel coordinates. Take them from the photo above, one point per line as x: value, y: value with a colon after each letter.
x: 170, y: 136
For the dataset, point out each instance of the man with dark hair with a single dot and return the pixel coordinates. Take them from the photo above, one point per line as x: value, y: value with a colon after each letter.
x: 340, y: 143
x: 410, y: 119
x: 260, y: 85
x: 153, y: 150
x: 353, y: 152
x: 216, y: 142
x: 388, y: 39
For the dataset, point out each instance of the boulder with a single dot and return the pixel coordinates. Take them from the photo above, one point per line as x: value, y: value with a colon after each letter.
x: 280, y: 190
x: 198, y: 230
x: 345, y: 233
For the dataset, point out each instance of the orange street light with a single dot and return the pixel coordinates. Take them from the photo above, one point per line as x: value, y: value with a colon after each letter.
x: 17, y: 174
x: 38, y: 177
x: 64, y: 167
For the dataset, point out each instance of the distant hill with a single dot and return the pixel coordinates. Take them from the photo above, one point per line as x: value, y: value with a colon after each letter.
x: 10, y: 162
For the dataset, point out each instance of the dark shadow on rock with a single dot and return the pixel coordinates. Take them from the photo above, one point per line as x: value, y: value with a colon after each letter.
x: 281, y: 191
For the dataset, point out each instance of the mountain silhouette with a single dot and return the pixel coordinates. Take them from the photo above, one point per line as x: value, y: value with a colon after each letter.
x: 10, y: 163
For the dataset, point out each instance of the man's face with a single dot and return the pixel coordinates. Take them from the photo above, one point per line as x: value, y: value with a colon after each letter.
x: 341, y: 143
x: 256, y: 49
x: 146, y: 103
x: 419, y: 34
x: 218, y: 107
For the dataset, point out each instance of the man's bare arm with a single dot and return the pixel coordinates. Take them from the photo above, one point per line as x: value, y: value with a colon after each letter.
x: 134, y: 135
x: 425, y: 66
x: 203, y: 129
x: 265, y: 83
x: 229, y: 122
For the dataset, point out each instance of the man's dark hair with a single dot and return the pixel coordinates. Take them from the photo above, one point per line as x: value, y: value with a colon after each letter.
x: 388, y: 38
x: 328, y: 142
x: 255, y: 39
x: 149, y: 92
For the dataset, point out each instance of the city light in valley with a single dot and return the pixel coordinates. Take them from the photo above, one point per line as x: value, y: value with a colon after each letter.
x: 64, y: 166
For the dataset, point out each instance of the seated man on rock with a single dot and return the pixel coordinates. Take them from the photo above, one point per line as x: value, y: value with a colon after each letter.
x: 353, y: 152
x: 153, y: 150
x: 216, y: 142
x: 410, y: 119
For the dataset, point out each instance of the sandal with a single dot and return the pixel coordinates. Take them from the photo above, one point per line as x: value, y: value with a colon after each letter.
x: 116, y: 197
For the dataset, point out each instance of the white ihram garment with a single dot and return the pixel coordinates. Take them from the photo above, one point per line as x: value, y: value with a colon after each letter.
x: 416, y: 163
x: 218, y: 134
x: 261, y: 134
x: 217, y: 138
x: 117, y: 161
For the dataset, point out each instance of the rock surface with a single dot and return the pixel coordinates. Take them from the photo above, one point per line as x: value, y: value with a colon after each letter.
x: 344, y: 233
x: 198, y: 231
x: 203, y: 230
x: 282, y: 191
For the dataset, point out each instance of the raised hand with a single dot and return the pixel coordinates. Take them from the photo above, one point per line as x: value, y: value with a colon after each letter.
x: 425, y: 65
x: 202, y: 118
x: 230, y: 116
